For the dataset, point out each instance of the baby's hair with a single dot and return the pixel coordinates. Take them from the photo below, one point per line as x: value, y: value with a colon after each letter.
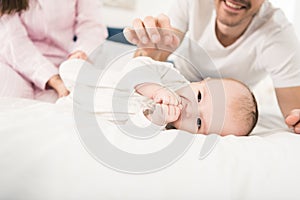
x: 254, y: 113
x: 246, y: 108
x: 13, y: 6
x: 169, y: 126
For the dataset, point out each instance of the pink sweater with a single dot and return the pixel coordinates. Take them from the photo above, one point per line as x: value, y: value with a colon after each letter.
x: 37, y: 41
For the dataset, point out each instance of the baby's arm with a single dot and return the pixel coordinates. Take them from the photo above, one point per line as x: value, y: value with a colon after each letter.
x: 158, y: 93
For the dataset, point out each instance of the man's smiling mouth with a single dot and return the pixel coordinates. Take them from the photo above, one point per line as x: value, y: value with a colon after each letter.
x: 234, y: 5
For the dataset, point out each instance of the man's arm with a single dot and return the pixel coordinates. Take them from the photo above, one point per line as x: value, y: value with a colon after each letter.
x: 289, y: 102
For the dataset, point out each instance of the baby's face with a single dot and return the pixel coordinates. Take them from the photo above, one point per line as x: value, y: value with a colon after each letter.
x: 206, y: 107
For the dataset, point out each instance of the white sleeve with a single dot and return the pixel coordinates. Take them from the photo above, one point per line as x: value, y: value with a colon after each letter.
x: 179, y: 13
x: 70, y: 69
x: 89, y: 29
x: 146, y: 70
x: 280, y: 56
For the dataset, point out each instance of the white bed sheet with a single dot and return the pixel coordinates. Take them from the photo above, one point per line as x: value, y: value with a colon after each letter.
x: 42, y: 157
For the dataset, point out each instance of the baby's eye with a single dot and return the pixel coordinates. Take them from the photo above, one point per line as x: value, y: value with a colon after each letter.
x: 199, y: 96
x: 199, y: 123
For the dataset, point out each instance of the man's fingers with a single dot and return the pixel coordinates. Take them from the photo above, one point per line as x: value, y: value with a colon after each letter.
x: 175, y: 41
x: 293, y: 118
x: 297, y: 128
x: 167, y: 33
x: 141, y: 33
x: 154, y: 33
x: 150, y: 24
x: 163, y: 21
x: 130, y: 35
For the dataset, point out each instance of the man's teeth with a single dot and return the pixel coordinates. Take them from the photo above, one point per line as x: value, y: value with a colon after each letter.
x: 232, y: 5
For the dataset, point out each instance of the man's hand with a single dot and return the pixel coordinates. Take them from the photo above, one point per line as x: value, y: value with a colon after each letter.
x: 289, y: 102
x: 293, y: 120
x: 58, y: 85
x: 154, y: 36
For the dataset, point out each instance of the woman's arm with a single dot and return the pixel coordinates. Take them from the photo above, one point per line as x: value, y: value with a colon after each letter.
x: 20, y: 52
x: 89, y: 28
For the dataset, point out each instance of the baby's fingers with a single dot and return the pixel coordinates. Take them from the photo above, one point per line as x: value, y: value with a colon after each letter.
x: 163, y: 99
x: 172, y: 114
x: 170, y: 100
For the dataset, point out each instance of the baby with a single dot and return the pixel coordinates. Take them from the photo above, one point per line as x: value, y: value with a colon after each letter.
x: 147, y: 91
x: 191, y: 108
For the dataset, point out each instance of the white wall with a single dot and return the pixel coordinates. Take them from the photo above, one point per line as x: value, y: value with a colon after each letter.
x: 291, y: 9
x: 118, y: 17
x: 288, y: 6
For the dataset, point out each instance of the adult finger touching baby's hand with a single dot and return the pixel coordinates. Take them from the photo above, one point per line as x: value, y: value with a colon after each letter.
x: 293, y: 120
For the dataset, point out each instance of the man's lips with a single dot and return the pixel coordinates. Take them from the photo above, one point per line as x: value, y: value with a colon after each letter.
x: 235, y: 5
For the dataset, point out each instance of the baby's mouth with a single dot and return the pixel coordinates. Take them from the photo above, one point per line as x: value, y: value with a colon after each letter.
x: 235, y: 5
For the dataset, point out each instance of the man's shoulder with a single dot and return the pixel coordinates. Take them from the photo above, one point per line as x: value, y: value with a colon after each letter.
x: 271, y: 18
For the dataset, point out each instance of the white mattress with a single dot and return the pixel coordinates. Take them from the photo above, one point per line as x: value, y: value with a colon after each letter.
x: 42, y: 158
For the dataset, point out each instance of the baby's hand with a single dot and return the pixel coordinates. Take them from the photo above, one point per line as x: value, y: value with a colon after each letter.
x: 166, y: 96
x: 58, y: 85
x: 78, y: 55
x: 164, y: 114
x: 158, y: 93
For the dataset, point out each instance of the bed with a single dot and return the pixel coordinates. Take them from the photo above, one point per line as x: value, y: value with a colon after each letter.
x: 42, y: 156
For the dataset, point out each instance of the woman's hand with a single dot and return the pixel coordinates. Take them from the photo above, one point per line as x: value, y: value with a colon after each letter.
x: 58, y: 85
x: 78, y: 55
x: 289, y: 102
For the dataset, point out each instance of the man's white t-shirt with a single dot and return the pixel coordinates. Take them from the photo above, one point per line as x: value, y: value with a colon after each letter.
x: 269, y: 46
